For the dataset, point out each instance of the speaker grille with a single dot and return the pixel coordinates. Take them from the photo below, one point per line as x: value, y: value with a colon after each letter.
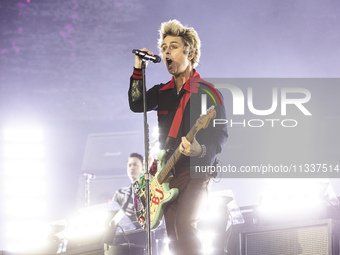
x: 305, y: 240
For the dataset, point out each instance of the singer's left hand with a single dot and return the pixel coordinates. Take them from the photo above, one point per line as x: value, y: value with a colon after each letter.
x: 190, y: 149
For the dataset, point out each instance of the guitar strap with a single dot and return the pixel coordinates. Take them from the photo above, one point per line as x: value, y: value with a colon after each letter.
x: 176, y: 123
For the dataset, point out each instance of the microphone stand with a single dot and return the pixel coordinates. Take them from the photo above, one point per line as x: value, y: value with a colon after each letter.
x: 88, y: 177
x: 146, y: 171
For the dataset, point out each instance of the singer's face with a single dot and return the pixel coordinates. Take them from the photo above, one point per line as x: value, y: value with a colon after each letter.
x: 174, y: 56
x: 134, y: 168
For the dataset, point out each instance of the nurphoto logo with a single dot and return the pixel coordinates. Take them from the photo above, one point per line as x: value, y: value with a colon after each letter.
x: 280, y: 99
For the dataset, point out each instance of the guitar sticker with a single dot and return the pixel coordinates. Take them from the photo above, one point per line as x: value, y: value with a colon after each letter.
x: 138, y: 205
x: 155, y: 199
x: 160, y: 192
x: 153, y: 168
x: 136, y: 188
x: 141, y: 221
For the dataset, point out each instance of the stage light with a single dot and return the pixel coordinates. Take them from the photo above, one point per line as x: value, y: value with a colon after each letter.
x: 207, y: 238
x: 154, y: 145
x: 83, y: 225
x: 25, y: 187
x: 166, y: 250
x: 89, y: 227
x: 23, y: 184
x: 24, y: 151
x: 299, y: 199
x: 221, y: 212
x: 23, y: 135
x: 213, y: 210
x: 221, y: 205
x: 31, y: 237
x: 24, y: 168
x: 33, y: 207
x: 155, y: 132
x: 155, y: 149
x: 22, y: 143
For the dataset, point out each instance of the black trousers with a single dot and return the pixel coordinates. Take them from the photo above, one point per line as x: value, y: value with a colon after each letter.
x: 182, y: 214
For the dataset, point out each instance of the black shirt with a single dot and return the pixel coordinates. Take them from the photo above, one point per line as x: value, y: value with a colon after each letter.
x: 164, y: 99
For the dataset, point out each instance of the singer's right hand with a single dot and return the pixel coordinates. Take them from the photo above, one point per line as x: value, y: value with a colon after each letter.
x: 138, y: 60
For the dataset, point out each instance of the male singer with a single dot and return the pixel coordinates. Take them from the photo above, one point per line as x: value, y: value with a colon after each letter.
x: 180, y: 48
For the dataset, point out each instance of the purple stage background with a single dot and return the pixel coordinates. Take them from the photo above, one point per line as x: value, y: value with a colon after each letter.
x: 66, y: 64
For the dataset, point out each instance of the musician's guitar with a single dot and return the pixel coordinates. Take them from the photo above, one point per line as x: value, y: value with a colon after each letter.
x: 160, y: 193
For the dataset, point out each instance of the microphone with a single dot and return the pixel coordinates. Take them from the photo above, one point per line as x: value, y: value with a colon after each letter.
x: 146, y: 56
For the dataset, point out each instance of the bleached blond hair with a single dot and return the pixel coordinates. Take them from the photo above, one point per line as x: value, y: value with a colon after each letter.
x: 192, y: 42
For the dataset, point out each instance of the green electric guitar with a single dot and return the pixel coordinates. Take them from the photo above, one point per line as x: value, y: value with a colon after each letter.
x: 160, y: 193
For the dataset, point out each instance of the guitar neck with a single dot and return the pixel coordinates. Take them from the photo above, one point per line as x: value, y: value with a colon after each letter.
x: 163, y: 175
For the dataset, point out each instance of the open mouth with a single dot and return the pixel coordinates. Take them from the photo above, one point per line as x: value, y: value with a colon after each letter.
x: 168, y: 62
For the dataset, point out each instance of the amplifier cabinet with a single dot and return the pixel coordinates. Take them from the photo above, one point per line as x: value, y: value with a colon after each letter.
x: 312, y: 238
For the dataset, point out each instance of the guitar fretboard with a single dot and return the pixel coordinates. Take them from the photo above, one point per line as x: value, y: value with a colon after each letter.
x: 163, y: 175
